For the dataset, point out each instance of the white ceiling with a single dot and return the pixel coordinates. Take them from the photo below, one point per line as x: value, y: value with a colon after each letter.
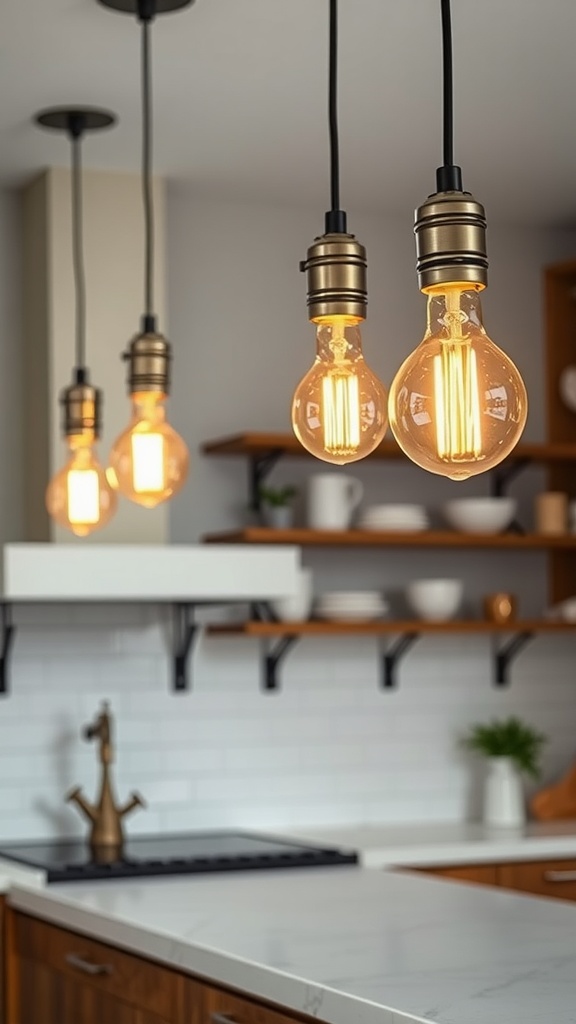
x: 240, y: 89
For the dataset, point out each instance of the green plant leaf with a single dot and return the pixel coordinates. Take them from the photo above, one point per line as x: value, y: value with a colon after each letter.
x: 509, y: 737
x: 277, y: 496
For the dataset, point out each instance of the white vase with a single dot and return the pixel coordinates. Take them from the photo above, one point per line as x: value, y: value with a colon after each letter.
x: 503, y: 794
x: 278, y: 517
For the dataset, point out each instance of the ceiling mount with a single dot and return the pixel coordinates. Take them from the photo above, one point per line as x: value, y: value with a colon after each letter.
x: 62, y: 119
x: 133, y: 6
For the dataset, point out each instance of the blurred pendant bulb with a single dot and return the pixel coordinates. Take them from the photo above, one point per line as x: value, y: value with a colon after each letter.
x: 149, y: 460
x: 339, y: 407
x: 79, y: 496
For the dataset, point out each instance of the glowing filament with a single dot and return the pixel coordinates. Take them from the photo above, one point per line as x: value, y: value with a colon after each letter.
x: 148, y: 463
x: 341, y: 412
x: 457, y: 400
x: 83, y: 496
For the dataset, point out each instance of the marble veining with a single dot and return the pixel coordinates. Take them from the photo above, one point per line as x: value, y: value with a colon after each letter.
x: 343, y: 944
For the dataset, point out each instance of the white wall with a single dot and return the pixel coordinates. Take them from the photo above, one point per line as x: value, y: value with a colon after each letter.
x: 330, y: 747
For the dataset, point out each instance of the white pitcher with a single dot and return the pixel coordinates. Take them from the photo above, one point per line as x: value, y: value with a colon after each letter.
x: 332, y: 500
x: 503, y: 794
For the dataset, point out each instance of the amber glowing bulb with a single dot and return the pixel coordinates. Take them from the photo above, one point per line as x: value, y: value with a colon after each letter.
x: 339, y: 406
x: 458, y: 404
x: 79, y: 496
x: 149, y: 460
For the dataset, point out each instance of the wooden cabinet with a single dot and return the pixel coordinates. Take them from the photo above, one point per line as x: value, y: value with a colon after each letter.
x: 58, y: 977
x: 480, y: 874
x: 555, y: 879
x: 222, y: 1007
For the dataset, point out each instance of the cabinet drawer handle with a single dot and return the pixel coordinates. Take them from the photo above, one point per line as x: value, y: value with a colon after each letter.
x: 80, y: 964
x: 560, y: 876
x: 222, y: 1018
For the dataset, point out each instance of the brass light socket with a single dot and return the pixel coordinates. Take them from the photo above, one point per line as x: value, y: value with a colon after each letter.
x: 336, y: 270
x: 450, y: 229
x: 82, y: 410
x: 149, y: 356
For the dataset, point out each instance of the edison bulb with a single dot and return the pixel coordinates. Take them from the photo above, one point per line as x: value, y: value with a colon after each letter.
x: 339, y: 406
x: 149, y: 461
x: 458, y: 404
x: 79, y: 496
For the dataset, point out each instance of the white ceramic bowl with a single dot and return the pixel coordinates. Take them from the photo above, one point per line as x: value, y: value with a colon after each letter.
x: 435, y: 600
x: 480, y: 515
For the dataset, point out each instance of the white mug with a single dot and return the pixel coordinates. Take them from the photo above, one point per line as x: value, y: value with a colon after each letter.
x: 332, y: 499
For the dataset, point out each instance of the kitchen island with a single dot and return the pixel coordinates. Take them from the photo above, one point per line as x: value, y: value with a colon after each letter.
x: 343, y: 945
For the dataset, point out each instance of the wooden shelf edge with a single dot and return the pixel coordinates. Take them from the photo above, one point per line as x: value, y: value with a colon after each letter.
x: 254, y: 443
x: 316, y: 627
x: 373, y: 538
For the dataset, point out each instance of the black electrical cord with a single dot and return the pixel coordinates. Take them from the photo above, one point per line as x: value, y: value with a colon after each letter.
x: 448, y: 84
x: 335, y: 218
x: 149, y: 315
x: 449, y: 176
x: 78, y: 252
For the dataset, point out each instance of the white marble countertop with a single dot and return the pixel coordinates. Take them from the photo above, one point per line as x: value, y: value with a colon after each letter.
x: 16, y: 874
x: 342, y: 944
x: 386, y: 846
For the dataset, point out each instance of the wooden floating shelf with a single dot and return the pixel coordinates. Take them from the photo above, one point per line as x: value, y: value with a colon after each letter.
x: 257, y: 444
x: 387, y: 626
x: 277, y: 638
x: 376, y: 538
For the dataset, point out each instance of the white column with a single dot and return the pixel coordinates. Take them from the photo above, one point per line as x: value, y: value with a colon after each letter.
x: 114, y: 256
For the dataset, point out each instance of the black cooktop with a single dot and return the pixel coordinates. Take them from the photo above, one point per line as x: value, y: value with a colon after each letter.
x: 72, y: 860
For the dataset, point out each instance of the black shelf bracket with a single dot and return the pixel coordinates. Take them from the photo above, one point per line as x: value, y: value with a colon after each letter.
x: 393, y: 656
x: 504, y: 657
x: 259, y: 467
x: 186, y: 632
x: 502, y: 477
x: 8, y: 630
x: 272, y: 659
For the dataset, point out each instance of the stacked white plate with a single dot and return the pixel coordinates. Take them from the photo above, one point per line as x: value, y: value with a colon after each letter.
x: 351, y: 605
x: 402, y: 518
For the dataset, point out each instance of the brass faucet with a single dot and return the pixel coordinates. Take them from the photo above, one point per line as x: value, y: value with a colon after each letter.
x: 106, y: 835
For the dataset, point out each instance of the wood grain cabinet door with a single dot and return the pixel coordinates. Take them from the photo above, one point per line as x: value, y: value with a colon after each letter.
x: 553, y: 878
x: 49, y: 997
x: 59, y: 977
x: 480, y: 874
x: 221, y: 1007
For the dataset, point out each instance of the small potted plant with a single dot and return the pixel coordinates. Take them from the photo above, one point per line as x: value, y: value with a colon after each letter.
x: 512, y: 748
x: 276, y: 505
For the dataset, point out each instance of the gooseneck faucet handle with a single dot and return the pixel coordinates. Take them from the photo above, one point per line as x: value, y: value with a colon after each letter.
x: 105, y: 816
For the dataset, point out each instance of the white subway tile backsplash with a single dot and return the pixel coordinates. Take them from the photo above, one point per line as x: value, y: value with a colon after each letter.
x: 329, y: 747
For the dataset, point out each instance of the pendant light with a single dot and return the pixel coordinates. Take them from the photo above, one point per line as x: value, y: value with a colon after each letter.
x: 149, y: 459
x: 458, y: 404
x: 79, y: 496
x: 339, y: 406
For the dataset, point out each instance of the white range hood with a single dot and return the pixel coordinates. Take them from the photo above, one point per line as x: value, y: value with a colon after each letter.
x: 138, y: 573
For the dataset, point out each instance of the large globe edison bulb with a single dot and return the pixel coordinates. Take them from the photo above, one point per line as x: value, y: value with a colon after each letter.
x: 458, y: 404
x: 339, y: 406
x: 149, y: 460
x: 79, y: 497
